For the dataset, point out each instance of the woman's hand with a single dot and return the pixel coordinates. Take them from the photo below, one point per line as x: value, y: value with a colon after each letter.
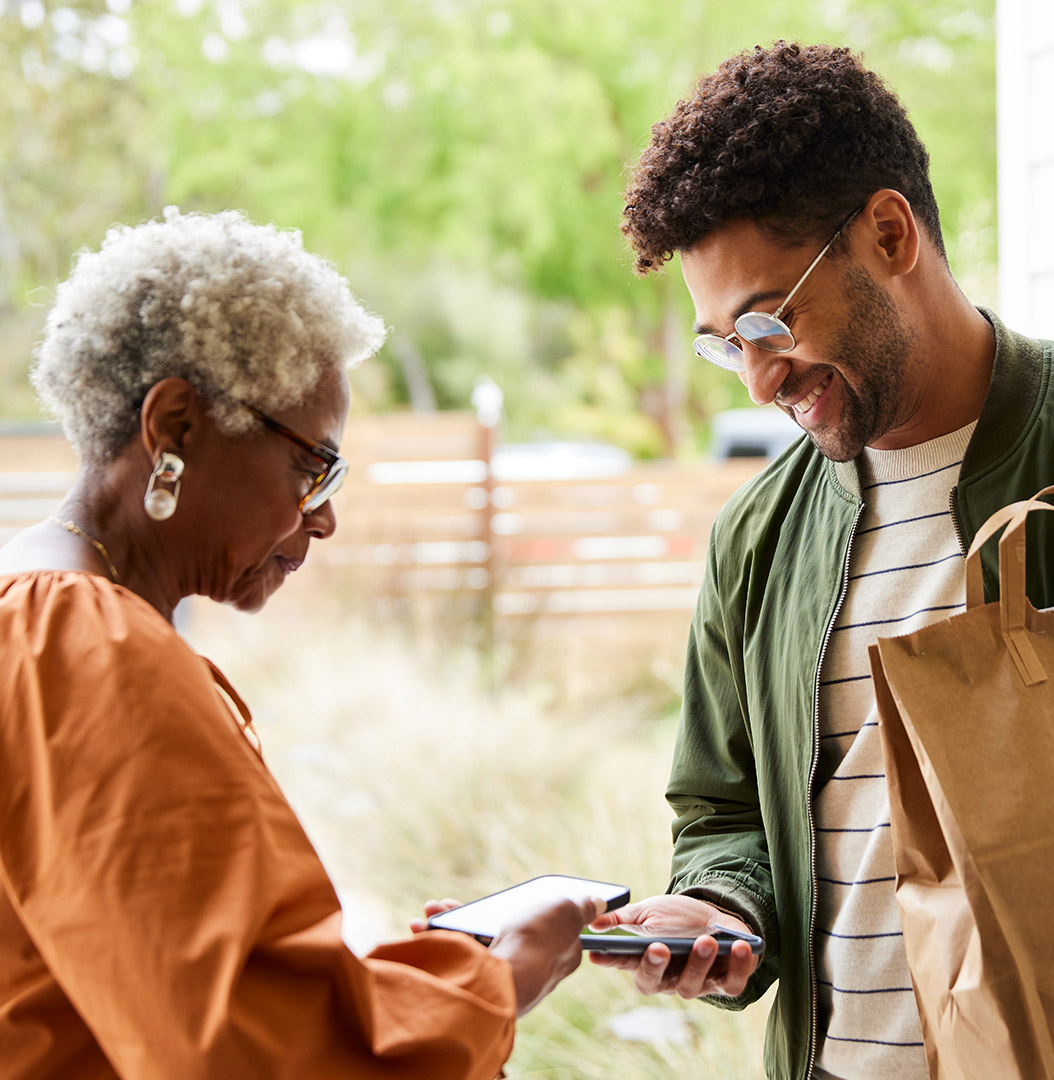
x: 432, y: 907
x: 680, y: 916
x: 543, y: 947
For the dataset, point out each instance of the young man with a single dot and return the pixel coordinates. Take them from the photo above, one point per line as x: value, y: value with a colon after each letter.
x: 796, y: 192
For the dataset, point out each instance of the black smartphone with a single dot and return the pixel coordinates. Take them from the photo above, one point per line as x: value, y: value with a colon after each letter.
x: 483, y: 918
x: 629, y: 941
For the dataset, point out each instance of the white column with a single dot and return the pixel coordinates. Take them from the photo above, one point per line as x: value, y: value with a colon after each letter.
x: 1025, y: 89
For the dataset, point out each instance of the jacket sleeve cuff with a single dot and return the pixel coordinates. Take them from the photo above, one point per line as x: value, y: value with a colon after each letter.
x: 731, y: 895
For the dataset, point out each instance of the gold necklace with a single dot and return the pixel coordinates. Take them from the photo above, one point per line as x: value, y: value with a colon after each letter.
x: 73, y: 527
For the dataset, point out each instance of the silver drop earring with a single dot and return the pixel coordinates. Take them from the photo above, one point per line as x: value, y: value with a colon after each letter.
x: 162, y: 493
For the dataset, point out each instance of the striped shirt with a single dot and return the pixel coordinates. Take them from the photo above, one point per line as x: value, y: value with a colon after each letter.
x: 905, y: 570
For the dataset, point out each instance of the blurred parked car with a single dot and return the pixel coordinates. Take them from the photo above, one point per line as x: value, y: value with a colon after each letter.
x: 762, y: 432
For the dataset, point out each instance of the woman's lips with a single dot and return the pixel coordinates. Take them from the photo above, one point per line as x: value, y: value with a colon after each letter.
x: 288, y: 565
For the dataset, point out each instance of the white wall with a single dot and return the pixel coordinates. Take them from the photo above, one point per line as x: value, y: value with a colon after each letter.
x: 1025, y: 87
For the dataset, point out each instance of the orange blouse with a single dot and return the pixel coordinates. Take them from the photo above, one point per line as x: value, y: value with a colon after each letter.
x: 162, y: 914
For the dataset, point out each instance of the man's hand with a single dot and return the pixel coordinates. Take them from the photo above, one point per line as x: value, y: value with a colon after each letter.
x: 680, y: 916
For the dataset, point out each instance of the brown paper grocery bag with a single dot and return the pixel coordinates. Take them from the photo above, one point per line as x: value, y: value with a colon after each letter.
x: 966, y: 719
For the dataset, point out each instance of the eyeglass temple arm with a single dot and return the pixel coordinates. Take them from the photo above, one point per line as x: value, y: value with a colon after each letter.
x: 801, y: 281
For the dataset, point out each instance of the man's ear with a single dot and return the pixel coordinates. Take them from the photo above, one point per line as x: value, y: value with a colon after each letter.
x: 892, y: 233
x: 170, y: 416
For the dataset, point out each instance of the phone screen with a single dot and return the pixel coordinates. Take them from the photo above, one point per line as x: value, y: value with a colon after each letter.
x: 485, y: 917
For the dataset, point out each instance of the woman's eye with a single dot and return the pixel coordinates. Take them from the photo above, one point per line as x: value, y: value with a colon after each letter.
x: 307, y: 477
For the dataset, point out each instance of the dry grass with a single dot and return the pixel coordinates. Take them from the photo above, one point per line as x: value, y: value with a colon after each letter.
x: 414, y: 783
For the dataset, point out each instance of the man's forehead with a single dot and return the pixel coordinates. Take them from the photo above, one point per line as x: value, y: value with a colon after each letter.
x: 733, y: 270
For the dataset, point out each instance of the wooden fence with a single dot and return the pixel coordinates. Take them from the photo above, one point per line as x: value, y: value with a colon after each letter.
x: 592, y: 575
x: 560, y: 569
x: 37, y: 466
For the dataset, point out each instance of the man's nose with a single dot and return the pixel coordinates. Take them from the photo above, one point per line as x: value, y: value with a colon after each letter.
x: 765, y: 373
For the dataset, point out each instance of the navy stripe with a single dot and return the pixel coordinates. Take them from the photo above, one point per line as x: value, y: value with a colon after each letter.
x: 906, y: 521
x: 873, y: 1042
x: 848, y: 678
x: 911, y: 566
x: 881, y: 825
x: 909, y: 479
x: 903, y: 618
x: 862, y: 776
x: 864, y: 881
x: 843, y: 734
x: 877, y: 990
x: 859, y: 937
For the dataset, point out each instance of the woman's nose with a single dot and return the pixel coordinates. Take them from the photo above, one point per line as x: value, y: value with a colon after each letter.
x: 321, y: 523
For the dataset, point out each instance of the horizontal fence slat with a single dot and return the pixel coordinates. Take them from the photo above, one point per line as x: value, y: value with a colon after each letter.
x: 618, y: 556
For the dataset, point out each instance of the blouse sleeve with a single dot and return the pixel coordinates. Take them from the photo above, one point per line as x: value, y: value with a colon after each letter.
x: 170, y: 889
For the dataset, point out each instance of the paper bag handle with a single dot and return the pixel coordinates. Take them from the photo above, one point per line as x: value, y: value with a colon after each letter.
x: 1012, y: 600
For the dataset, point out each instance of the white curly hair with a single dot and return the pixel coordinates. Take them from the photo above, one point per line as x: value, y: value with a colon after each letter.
x: 241, y: 311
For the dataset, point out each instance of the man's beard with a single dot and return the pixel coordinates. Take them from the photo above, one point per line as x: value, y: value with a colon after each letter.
x: 870, y: 361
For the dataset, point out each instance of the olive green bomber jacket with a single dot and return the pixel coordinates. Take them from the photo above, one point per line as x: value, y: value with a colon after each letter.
x: 747, y: 746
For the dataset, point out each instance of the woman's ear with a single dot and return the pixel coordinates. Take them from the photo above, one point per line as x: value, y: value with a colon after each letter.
x: 170, y: 415
x: 892, y: 232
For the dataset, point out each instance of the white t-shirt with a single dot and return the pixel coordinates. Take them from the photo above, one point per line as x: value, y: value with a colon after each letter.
x: 906, y: 570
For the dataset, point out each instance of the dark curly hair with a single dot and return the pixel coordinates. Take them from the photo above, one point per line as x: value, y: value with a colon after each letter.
x: 791, y: 137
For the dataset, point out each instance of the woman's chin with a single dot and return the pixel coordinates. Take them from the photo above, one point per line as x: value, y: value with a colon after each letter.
x: 249, y: 604
x: 254, y: 593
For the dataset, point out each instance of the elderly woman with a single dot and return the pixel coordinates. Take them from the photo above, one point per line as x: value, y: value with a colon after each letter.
x: 162, y: 913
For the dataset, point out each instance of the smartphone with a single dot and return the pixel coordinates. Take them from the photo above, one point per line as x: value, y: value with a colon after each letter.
x: 629, y: 941
x: 483, y: 918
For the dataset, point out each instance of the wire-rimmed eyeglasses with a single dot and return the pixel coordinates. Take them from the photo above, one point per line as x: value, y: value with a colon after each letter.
x: 759, y: 328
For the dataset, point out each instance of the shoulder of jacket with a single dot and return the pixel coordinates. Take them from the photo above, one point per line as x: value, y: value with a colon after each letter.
x: 770, y: 493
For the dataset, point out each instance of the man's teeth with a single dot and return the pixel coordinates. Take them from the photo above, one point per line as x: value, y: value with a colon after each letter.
x: 810, y: 399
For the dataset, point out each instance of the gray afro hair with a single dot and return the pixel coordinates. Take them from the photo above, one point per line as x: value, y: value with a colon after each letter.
x: 241, y: 311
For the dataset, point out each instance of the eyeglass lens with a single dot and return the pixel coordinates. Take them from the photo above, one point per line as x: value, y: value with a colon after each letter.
x: 760, y: 329
x: 720, y: 352
x: 328, y: 485
x: 765, y: 331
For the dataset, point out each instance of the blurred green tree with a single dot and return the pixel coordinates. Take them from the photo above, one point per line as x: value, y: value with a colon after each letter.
x: 461, y: 160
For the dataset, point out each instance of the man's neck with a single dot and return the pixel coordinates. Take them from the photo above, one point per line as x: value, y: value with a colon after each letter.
x: 953, y: 356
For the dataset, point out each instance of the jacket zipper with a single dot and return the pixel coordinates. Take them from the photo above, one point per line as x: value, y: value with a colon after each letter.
x: 955, y: 519
x: 814, y: 993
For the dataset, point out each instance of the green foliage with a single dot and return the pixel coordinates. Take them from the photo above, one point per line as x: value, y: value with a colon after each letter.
x: 461, y: 160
